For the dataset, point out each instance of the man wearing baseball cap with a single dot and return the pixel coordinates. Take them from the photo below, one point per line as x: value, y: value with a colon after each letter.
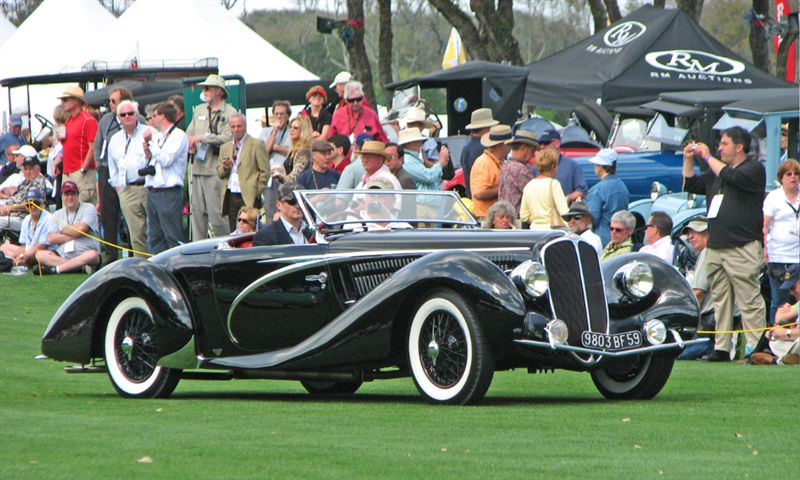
x: 568, y: 173
x: 67, y: 234
x: 608, y: 196
x: 31, y: 178
x: 696, y: 232
x: 338, y: 83
x: 289, y: 228
x: 579, y: 221
x: 78, y: 145
x: 12, y: 137
x: 32, y: 233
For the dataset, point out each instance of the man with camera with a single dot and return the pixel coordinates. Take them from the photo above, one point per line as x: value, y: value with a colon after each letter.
x: 126, y: 160
x: 207, y: 132
x: 166, y: 153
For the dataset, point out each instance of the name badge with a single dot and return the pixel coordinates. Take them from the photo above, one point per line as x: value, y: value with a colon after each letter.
x: 200, y: 154
x: 201, y: 117
x: 69, y: 247
x: 713, y: 209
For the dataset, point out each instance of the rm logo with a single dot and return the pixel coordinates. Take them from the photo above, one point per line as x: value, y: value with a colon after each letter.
x: 624, y: 33
x: 693, y: 61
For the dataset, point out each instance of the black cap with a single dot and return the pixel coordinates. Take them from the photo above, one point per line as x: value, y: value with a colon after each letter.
x: 286, y: 190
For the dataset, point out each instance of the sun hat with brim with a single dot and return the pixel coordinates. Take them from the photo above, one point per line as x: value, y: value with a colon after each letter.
x: 321, y: 146
x: 481, y: 118
x: 606, y: 157
x: 73, y: 92
x: 316, y: 90
x: 699, y: 225
x: 410, y: 135
x: 26, y: 151
x: 214, y: 80
x: 496, y: 135
x: 70, y: 186
x: 379, y: 183
x: 524, y: 137
x: 417, y: 115
x: 341, y: 77
x: 372, y: 147
x: 35, y: 195
x: 577, y: 209
x: 792, y: 277
x: 286, y: 190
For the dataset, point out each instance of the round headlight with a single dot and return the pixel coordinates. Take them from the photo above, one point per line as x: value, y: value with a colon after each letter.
x: 655, y: 331
x: 557, y: 331
x: 532, y: 277
x: 635, y: 279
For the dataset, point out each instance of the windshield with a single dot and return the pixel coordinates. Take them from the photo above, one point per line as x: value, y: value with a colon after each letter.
x: 385, y: 208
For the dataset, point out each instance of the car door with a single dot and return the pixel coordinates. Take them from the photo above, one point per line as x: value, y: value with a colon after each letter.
x: 271, y: 297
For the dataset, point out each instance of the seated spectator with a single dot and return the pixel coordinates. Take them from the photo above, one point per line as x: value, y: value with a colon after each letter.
x: 697, y: 233
x: 340, y: 157
x: 10, y: 172
x: 11, y: 215
x: 373, y: 154
x: 73, y: 250
x: 289, y: 228
x: 784, y: 342
x: 622, y: 225
x: 32, y: 234
x: 319, y: 176
x: 377, y: 207
x: 579, y: 221
x: 658, y: 235
x: 246, y: 220
x: 501, y: 216
x: 352, y: 173
x: 316, y: 112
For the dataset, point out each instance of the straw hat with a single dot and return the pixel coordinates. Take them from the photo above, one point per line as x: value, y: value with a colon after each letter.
x: 417, y: 115
x: 496, y: 135
x: 481, y: 118
x: 410, y: 135
x: 214, y: 80
x: 524, y: 136
x: 73, y: 92
x: 373, y: 147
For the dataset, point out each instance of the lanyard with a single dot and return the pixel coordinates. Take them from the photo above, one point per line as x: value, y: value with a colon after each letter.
x: 166, y: 137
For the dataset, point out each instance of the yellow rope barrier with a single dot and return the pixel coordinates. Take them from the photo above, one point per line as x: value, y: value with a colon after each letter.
x: 33, y: 204
x: 748, y: 331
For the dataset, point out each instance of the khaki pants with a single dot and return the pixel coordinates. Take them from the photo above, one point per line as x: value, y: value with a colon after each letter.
x: 87, y: 183
x: 733, y: 275
x: 133, y: 202
x: 206, y: 206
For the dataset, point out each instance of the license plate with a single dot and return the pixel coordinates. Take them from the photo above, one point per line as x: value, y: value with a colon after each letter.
x: 616, y: 341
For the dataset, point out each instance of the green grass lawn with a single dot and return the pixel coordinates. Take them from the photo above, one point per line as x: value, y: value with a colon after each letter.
x: 710, y: 421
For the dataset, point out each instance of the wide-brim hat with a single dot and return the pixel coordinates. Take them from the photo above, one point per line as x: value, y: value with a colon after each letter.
x: 577, y: 209
x: 215, y: 80
x: 496, y: 135
x: 792, y: 276
x: 524, y: 137
x: 417, y: 115
x: 73, y: 92
x: 372, y: 147
x: 410, y: 135
x: 481, y: 118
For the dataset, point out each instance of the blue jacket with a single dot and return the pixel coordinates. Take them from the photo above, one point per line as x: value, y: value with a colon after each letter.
x: 606, y: 198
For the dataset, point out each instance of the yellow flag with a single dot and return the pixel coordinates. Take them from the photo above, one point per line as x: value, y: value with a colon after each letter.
x: 454, y: 54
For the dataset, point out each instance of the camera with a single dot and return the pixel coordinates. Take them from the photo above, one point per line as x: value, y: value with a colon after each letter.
x: 148, y: 170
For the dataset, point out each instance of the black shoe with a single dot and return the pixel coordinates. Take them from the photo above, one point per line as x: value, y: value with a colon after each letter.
x: 40, y: 269
x: 718, y: 356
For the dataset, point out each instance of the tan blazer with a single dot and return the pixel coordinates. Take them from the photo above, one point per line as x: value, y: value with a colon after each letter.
x: 253, y: 169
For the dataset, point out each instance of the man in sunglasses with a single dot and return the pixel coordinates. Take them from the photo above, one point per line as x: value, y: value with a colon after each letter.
x: 579, y: 221
x: 356, y: 117
x: 289, y: 228
x: 32, y: 234
x: 622, y: 225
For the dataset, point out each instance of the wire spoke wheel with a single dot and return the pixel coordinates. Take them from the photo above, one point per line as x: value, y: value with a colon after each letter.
x: 443, y: 349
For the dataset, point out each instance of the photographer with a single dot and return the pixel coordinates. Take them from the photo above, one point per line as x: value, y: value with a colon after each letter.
x: 126, y: 159
x: 166, y: 153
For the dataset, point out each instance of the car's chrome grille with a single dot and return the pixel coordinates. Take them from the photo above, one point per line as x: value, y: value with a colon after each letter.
x: 576, y: 287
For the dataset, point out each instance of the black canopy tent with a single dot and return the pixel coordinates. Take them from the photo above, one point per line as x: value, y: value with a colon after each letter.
x: 474, y: 85
x: 632, y: 61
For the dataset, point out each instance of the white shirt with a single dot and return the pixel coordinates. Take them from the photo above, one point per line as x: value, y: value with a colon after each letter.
x: 296, y: 233
x: 593, y: 239
x: 662, y: 248
x: 233, y: 178
x: 126, y: 156
x: 169, y: 151
x: 783, y: 238
x: 281, y: 138
x: 382, y: 172
x: 13, y: 180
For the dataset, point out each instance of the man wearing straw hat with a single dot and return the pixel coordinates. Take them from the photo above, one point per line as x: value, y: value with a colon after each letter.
x: 373, y: 154
x: 480, y: 123
x: 78, y: 145
x: 516, y: 173
x: 427, y: 175
x: 207, y: 132
x: 485, y: 174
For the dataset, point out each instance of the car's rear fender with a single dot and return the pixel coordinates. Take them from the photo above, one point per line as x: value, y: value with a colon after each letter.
x: 76, y: 331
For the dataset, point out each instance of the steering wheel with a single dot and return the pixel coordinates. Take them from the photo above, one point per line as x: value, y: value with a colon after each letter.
x: 44, y: 121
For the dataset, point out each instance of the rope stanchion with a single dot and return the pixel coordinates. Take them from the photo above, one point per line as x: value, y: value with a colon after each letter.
x: 119, y: 247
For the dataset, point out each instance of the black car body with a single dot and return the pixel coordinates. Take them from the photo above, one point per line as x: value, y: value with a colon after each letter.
x: 448, y: 304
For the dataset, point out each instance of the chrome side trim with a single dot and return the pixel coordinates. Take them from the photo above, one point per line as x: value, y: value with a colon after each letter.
x: 338, y: 257
x: 267, y: 278
x: 603, y: 353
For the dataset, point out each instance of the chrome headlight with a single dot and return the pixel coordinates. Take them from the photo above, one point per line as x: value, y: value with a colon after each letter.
x: 532, y: 277
x: 655, y: 331
x: 635, y: 279
x: 557, y: 331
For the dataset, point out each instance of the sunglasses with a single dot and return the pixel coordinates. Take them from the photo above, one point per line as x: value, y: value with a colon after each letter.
x: 126, y: 114
x: 244, y: 220
x: 618, y: 230
x: 295, y: 127
x: 576, y: 217
x: 355, y: 99
x: 291, y: 201
x: 791, y: 174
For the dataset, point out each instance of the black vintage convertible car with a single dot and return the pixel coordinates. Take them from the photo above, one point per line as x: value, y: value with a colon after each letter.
x: 396, y: 284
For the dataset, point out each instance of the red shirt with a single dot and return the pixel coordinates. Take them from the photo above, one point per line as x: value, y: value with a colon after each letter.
x: 344, y: 123
x: 81, y: 130
x: 340, y: 168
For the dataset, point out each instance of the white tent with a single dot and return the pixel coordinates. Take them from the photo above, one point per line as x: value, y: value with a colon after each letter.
x: 6, y: 29
x: 158, y: 32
